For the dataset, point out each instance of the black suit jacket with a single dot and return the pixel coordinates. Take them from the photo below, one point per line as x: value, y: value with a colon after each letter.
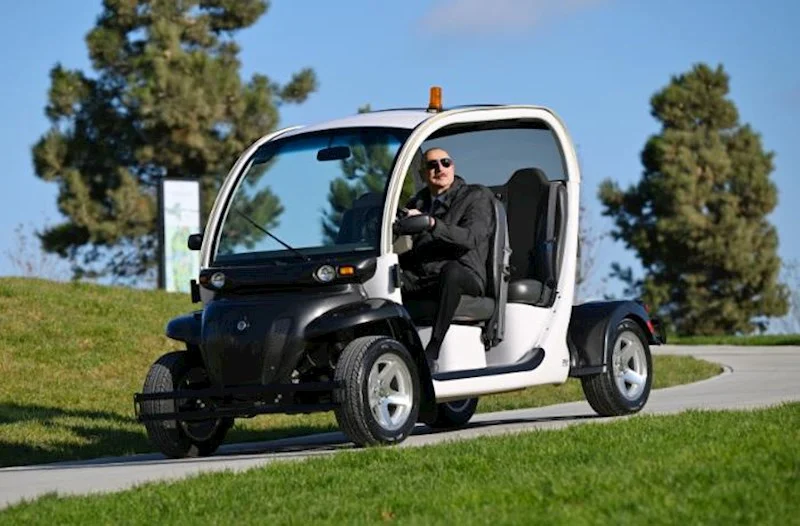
x: 463, y: 231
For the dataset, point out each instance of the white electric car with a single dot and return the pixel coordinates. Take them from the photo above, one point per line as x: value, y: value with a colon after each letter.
x: 300, y: 285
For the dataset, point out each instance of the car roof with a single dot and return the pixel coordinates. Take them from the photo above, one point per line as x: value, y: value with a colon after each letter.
x: 396, y: 118
x: 403, y: 118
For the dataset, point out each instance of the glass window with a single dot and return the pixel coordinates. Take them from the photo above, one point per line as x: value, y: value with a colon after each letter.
x: 320, y: 193
x: 491, y: 156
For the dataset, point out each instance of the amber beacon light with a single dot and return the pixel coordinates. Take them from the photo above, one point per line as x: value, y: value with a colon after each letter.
x: 435, y: 100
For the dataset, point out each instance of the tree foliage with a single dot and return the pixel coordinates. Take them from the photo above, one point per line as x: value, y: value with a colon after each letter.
x: 697, y: 218
x: 252, y: 206
x: 365, y: 171
x: 166, y: 100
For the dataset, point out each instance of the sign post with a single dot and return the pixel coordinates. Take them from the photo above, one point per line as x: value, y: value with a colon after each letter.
x: 179, y: 216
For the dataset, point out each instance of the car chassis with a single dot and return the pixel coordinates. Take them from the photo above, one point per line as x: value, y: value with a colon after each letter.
x: 321, y: 330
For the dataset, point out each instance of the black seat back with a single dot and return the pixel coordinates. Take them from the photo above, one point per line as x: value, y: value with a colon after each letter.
x: 497, y: 275
x: 548, y: 247
x: 525, y: 191
x: 536, y: 209
x: 358, y: 222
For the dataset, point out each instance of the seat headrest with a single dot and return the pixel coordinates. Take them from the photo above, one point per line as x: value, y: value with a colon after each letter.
x: 368, y: 200
x: 528, y: 174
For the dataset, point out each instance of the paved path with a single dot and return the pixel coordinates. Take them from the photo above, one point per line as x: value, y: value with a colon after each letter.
x: 754, y: 377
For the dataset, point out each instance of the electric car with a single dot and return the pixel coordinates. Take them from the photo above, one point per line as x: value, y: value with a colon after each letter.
x: 301, y: 306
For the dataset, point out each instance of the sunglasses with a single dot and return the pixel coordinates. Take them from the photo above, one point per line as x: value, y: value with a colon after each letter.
x: 446, y: 162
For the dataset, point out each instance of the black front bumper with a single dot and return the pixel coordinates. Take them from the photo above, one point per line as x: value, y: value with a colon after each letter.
x: 236, y: 402
x: 259, y: 339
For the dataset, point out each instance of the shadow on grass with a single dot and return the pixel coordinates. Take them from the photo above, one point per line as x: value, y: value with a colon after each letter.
x: 57, y: 435
x: 54, y: 434
x: 518, y: 423
x: 322, y: 443
x: 11, y: 413
x: 33, y: 434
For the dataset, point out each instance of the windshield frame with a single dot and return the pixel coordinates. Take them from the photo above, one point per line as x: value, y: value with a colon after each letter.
x: 315, y: 253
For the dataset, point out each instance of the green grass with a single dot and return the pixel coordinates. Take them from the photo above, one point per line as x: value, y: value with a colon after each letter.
x: 761, y: 339
x: 691, y: 468
x: 72, y: 355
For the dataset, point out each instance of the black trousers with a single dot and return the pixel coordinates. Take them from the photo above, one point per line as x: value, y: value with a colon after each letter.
x: 448, y: 286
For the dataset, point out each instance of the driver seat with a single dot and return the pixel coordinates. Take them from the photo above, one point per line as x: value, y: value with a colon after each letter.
x: 355, y: 222
x: 487, y: 311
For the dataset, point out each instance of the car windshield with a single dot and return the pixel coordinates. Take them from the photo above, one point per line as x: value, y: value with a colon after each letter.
x: 319, y: 194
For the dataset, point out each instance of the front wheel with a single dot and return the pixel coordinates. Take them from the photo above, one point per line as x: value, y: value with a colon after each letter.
x: 450, y: 415
x: 625, y: 385
x: 379, y: 394
x: 178, y: 439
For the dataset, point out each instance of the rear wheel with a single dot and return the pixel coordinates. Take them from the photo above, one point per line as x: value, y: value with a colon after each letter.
x: 625, y: 385
x: 178, y: 439
x: 379, y: 394
x: 454, y: 414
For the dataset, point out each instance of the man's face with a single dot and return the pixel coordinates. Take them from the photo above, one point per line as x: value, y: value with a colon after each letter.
x: 438, y: 170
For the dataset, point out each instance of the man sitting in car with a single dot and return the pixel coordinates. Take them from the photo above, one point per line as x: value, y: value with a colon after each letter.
x: 448, y: 257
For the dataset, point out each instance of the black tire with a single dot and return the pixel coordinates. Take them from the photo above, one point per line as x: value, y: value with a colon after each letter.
x: 180, y: 370
x: 451, y: 415
x: 354, y: 412
x: 603, y: 391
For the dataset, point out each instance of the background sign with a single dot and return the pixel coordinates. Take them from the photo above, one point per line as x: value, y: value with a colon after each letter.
x: 180, y: 216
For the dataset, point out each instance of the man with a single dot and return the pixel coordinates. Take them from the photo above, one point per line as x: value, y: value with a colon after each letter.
x: 452, y: 224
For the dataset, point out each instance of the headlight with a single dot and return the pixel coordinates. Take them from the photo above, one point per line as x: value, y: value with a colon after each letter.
x: 218, y: 280
x: 325, y: 273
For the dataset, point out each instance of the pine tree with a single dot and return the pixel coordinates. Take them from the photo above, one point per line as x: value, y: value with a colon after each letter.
x: 166, y: 101
x: 366, y: 171
x: 697, y: 218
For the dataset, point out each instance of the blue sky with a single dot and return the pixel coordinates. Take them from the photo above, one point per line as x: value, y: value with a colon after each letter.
x: 595, y: 62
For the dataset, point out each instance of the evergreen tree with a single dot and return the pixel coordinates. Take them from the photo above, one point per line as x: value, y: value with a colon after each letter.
x: 166, y: 101
x: 366, y: 171
x: 697, y: 218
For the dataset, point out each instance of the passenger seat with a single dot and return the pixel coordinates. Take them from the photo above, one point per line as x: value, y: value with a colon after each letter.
x: 536, y: 252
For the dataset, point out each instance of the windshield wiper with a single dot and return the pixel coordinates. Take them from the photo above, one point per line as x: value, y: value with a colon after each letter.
x: 299, y: 254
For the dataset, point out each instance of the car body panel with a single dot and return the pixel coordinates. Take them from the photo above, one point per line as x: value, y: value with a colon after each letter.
x: 540, y: 330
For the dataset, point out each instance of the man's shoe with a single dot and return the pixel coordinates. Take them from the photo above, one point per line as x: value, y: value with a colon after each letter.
x: 432, y: 349
x: 432, y: 364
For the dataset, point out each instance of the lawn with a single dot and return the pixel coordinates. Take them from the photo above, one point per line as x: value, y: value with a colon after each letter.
x: 72, y: 355
x: 690, y: 468
x: 755, y: 340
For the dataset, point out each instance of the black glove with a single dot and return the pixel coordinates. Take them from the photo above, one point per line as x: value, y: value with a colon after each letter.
x: 412, y: 225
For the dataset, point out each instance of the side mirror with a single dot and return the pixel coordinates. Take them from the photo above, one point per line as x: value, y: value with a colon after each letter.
x: 195, y: 241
